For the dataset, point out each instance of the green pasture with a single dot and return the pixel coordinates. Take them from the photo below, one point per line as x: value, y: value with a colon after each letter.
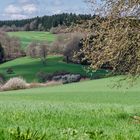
x: 27, y: 37
x: 90, y: 110
x: 28, y: 68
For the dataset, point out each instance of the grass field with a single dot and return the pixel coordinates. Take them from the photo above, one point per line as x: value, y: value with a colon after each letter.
x: 89, y: 110
x: 27, y: 37
x: 28, y: 67
x: 82, y: 111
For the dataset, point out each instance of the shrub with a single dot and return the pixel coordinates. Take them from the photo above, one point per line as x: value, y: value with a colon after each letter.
x: 2, y: 78
x: 15, y: 84
x: 66, y: 78
x: 57, y: 78
x: 44, y: 77
x: 10, y: 71
x: 97, y: 76
x: 63, y: 76
x: 71, y: 78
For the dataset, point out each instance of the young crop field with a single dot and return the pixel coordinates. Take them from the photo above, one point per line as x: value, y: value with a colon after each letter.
x: 27, y: 37
x: 84, y: 111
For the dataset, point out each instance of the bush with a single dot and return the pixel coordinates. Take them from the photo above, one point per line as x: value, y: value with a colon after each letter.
x: 71, y: 78
x: 15, y: 84
x: 44, y: 77
x: 10, y: 71
x: 2, y: 78
x: 57, y: 78
x: 63, y: 76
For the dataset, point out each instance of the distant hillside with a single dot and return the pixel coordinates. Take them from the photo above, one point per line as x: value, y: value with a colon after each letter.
x: 44, y: 23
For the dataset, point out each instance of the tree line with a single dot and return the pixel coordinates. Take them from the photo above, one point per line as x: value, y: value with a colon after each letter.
x: 44, y: 23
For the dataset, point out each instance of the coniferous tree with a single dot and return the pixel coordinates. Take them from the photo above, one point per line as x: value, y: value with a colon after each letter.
x: 1, y: 53
x: 42, y: 23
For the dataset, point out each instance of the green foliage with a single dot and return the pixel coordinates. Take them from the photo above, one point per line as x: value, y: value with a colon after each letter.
x: 42, y: 77
x: 97, y: 135
x: 10, y: 71
x: 17, y: 134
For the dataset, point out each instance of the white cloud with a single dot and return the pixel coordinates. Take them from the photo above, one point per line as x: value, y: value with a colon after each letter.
x: 20, y: 10
x: 29, y: 8
x: 12, y: 9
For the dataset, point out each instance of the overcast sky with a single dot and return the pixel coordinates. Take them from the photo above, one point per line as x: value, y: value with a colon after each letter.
x: 19, y: 9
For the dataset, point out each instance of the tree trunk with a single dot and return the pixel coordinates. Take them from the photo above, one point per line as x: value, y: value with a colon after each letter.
x: 67, y: 59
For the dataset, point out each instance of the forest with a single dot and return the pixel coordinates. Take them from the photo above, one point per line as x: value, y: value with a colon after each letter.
x: 44, y: 23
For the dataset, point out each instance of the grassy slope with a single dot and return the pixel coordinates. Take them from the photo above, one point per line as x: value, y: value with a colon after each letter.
x: 28, y: 67
x: 27, y: 37
x: 70, y: 111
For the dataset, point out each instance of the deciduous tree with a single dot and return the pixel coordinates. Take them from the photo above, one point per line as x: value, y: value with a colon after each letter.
x: 114, y: 36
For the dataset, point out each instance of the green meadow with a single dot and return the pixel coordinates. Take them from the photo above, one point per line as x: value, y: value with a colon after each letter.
x: 90, y: 110
x: 28, y: 68
x: 27, y: 37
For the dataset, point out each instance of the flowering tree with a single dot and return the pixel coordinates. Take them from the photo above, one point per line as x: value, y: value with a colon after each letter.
x: 114, y: 36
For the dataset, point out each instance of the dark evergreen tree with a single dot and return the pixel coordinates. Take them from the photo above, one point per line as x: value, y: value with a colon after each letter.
x: 45, y: 22
x: 1, y: 53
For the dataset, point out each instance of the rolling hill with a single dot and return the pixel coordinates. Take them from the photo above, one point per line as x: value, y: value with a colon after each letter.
x: 28, y: 67
x: 27, y: 37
